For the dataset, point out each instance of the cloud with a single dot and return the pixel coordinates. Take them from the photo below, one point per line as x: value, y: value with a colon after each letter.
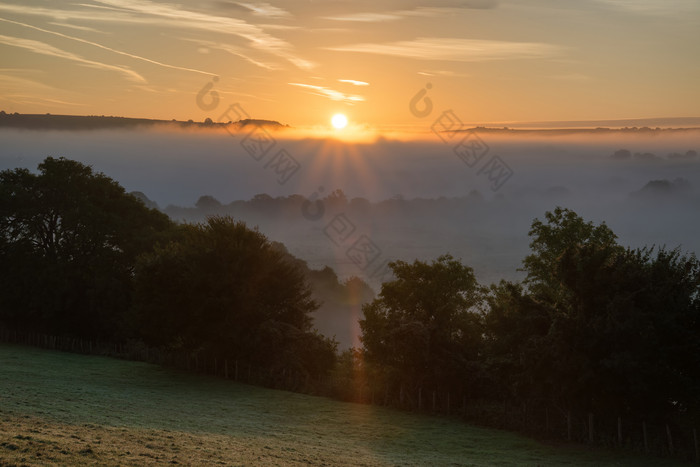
x: 233, y: 50
x: 377, y: 12
x: 95, y: 44
x: 332, y: 94
x: 349, y: 7
x: 367, y: 17
x: 47, y: 49
x: 12, y: 83
x: 454, y: 49
x: 448, y: 73
x: 353, y: 82
x: 654, y: 7
x: 79, y: 28
x: 265, y: 9
x: 31, y: 99
x: 152, y: 14
x: 173, y: 15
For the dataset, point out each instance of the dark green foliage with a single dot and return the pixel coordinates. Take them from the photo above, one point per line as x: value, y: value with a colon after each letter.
x: 595, y: 328
x: 600, y: 328
x: 82, y: 258
x: 69, y: 238
x: 225, y: 289
x: 424, y: 327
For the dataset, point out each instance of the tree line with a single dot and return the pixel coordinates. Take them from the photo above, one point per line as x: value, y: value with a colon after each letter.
x: 82, y: 258
x: 595, y: 327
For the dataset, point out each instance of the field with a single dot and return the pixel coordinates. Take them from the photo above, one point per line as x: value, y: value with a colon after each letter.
x: 61, y: 408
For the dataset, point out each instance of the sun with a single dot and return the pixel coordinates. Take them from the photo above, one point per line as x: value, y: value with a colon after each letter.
x: 339, y: 121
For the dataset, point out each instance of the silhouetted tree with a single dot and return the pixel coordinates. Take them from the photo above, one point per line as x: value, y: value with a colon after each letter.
x: 208, y: 203
x: 70, y: 238
x: 224, y: 288
x: 425, y: 326
x: 600, y: 327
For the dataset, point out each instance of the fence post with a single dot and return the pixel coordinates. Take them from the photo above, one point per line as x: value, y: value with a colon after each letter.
x: 695, y: 443
x: 568, y: 425
x: 236, y: 373
x: 670, y: 439
x: 590, y: 427
x: 225, y: 369
x: 448, y: 403
x: 420, y: 399
x: 434, y: 400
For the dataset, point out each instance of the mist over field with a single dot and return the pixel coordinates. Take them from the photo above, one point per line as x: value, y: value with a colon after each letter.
x: 480, y: 212
x: 486, y: 228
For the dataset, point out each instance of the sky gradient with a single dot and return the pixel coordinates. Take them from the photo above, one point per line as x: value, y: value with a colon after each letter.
x: 299, y: 62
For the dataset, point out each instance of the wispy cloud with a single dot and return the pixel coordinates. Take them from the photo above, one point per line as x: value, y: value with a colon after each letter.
x: 360, y: 7
x: 174, y: 15
x: 148, y: 13
x: 12, y: 83
x: 366, y: 17
x: 332, y: 94
x: 354, y: 82
x: 233, y: 50
x: 266, y: 10
x: 455, y: 49
x: 47, y: 49
x: 448, y: 73
x: 95, y: 44
x: 32, y: 99
x: 654, y: 7
x: 74, y: 26
x: 409, y: 9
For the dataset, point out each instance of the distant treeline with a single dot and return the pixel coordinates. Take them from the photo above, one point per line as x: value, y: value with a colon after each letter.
x: 92, y: 122
x: 595, y: 331
x: 294, y: 207
x: 98, y: 122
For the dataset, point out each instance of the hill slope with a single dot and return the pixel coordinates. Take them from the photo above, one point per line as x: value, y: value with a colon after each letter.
x: 73, y: 409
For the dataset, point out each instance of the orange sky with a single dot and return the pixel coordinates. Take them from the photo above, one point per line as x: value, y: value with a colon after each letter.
x: 301, y: 61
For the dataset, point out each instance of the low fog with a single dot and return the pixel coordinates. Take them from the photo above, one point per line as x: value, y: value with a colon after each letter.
x: 644, y: 185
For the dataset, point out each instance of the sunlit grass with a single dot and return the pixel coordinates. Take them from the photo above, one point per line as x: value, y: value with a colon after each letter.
x: 73, y: 409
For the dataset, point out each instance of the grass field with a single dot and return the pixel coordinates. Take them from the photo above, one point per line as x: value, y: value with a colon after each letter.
x: 60, y: 408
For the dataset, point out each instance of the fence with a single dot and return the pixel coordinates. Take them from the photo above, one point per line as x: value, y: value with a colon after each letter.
x: 201, y: 362
x: 676, y: 438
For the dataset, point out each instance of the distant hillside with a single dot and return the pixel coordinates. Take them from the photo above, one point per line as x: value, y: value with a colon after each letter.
x: 95, y: 122
x: 570, y: 131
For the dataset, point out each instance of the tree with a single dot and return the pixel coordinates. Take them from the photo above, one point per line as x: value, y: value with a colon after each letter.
x: 425, y: 325
x: 70, y: 238
x: 639, y: 320
x: 515, y: 330
x: 225, y: 289
x: 208, y: 203
x: 563, y: 229
x: 599, y: 327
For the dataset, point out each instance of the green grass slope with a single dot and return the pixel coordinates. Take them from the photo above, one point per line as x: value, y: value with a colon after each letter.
x: 60, y: 408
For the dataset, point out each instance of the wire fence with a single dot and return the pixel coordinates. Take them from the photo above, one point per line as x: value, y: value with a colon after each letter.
x: 674, y: 438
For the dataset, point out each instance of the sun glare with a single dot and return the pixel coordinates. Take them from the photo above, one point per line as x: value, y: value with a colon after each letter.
x: 339, y: 121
